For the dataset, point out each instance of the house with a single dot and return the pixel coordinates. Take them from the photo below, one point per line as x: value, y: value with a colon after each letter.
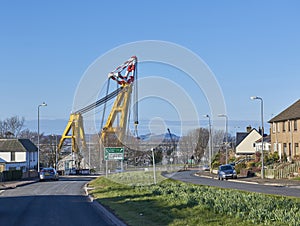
x: 245, y: 141
x: 285, y: 133
x: 18, y: 154
x: 267, y: 144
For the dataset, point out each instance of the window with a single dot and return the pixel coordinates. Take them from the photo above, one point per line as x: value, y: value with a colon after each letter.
x: 289, y: 126
x: 274, y: 127
x: 275, y: 147
x: 283, y: 126
x: 284, y: 148
x: 297, y: 149
x: 295, y: 125
x: 13, y: 156
x: 278, y: 127
x: 279, y: 147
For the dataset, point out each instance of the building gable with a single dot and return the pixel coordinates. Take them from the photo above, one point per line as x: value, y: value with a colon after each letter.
x: 240, y: 137
x: 291, y: 113
x: 246, y: 145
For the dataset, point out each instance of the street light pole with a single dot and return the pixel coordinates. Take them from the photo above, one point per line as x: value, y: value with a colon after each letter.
x: 154, y: 170
x: 90, y: 151
x: 38, y: 158
x: 226, y: 135
x: 262, y: 132
x: 55, y: 150
x: 210, y: 141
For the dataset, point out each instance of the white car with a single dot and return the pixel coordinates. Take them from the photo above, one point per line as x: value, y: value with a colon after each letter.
x: 48, y: 174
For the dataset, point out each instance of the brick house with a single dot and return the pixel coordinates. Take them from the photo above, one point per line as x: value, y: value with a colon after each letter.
x: 285, y: 133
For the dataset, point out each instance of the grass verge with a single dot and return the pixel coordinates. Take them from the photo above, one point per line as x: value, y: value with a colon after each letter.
x: 176, y: 203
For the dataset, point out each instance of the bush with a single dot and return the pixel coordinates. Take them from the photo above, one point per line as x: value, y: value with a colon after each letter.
x: 240, y: 166
x: 215, y: 164
x: 12, y: 175
x: 251, y: 164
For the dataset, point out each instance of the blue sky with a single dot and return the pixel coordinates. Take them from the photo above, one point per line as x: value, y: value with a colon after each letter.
x: 252, y: 47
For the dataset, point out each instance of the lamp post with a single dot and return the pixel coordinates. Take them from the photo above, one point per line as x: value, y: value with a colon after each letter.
x: 55, y: 150
x: 90, y: 149
x: 210, y: 141
x: 38, y: 158
x: 262, y: 132
x: 226, y: 135
x: 154, y: 170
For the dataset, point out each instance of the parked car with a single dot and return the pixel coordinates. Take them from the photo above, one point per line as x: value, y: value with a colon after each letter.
x: 205, y: 168
x: 119, y: 170
x: 226, y: 171
x: 48, y: 174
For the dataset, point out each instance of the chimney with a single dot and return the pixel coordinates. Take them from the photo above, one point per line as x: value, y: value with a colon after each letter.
x: 248, y: 129
x: 259, y: 130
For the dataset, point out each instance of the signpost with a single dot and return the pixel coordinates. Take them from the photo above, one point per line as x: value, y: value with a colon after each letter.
x: 114, y: 153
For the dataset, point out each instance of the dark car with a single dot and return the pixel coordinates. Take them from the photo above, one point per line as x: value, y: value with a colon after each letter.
x: 48, y: 174
x: 226, y: 171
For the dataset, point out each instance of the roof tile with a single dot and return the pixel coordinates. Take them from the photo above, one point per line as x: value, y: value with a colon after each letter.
x: 291, y: 113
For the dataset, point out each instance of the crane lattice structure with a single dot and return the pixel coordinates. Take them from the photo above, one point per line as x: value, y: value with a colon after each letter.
x: 114, y: 130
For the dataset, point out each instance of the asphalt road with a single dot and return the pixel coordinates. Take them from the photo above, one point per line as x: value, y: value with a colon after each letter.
x: 46, y: 203
x: 189, y: 177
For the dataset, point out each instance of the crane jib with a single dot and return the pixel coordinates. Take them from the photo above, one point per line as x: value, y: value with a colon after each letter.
x: 100, y: 102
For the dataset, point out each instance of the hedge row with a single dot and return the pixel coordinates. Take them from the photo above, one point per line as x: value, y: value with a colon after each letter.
x: 11, y: 175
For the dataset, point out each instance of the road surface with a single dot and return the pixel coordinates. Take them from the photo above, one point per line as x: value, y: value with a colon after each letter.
x: 189, y: 177
x: 46, y: 203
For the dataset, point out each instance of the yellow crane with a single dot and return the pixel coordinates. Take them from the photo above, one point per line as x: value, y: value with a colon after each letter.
x: 114, y: 130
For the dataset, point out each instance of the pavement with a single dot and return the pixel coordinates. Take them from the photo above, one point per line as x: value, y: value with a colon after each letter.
x: 293, y: 183
x: 13, y: 184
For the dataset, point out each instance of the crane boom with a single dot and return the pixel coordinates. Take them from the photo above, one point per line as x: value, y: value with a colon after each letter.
x: 114, y: 131
x: 172, y: 140
x: 116, y: 123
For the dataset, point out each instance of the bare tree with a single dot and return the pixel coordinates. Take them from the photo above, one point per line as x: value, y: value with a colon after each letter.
x: 184, y: 149
x: 203, y: 138
x: 27, y: 134
x: 11, y: 127
x: 218, y: 140
x: 194, y: 143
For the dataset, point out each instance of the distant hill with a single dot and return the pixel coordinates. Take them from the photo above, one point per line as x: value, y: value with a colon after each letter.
x: 160, y: 137
x: 57, y: 126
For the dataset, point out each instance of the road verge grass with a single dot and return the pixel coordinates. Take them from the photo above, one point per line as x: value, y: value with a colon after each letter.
x: 175, y: 203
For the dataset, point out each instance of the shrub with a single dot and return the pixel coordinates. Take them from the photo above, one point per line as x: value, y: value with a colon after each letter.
x: 240, y: 166
x: 12, y: 175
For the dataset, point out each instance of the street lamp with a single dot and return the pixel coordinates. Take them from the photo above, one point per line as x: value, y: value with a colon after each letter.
x: 262, y: 132
x: 55, y: 149
x: 226, y: 138
x: 38, y: 160
x: 154, y: 169
x: 210, y: 139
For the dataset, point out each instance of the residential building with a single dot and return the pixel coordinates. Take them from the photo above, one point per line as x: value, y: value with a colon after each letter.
x: 267, y: 144
x: 18, y: 154
x: 285, y: 133
x: 245, y: 141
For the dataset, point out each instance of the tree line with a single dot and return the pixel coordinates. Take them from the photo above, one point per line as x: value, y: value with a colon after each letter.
x: 194, y: 144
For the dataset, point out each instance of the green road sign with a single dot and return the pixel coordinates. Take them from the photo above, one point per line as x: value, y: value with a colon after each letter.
x: 114, y: 153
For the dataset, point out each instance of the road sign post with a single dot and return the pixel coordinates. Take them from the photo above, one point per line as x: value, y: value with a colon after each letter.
x: 114, y: 153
